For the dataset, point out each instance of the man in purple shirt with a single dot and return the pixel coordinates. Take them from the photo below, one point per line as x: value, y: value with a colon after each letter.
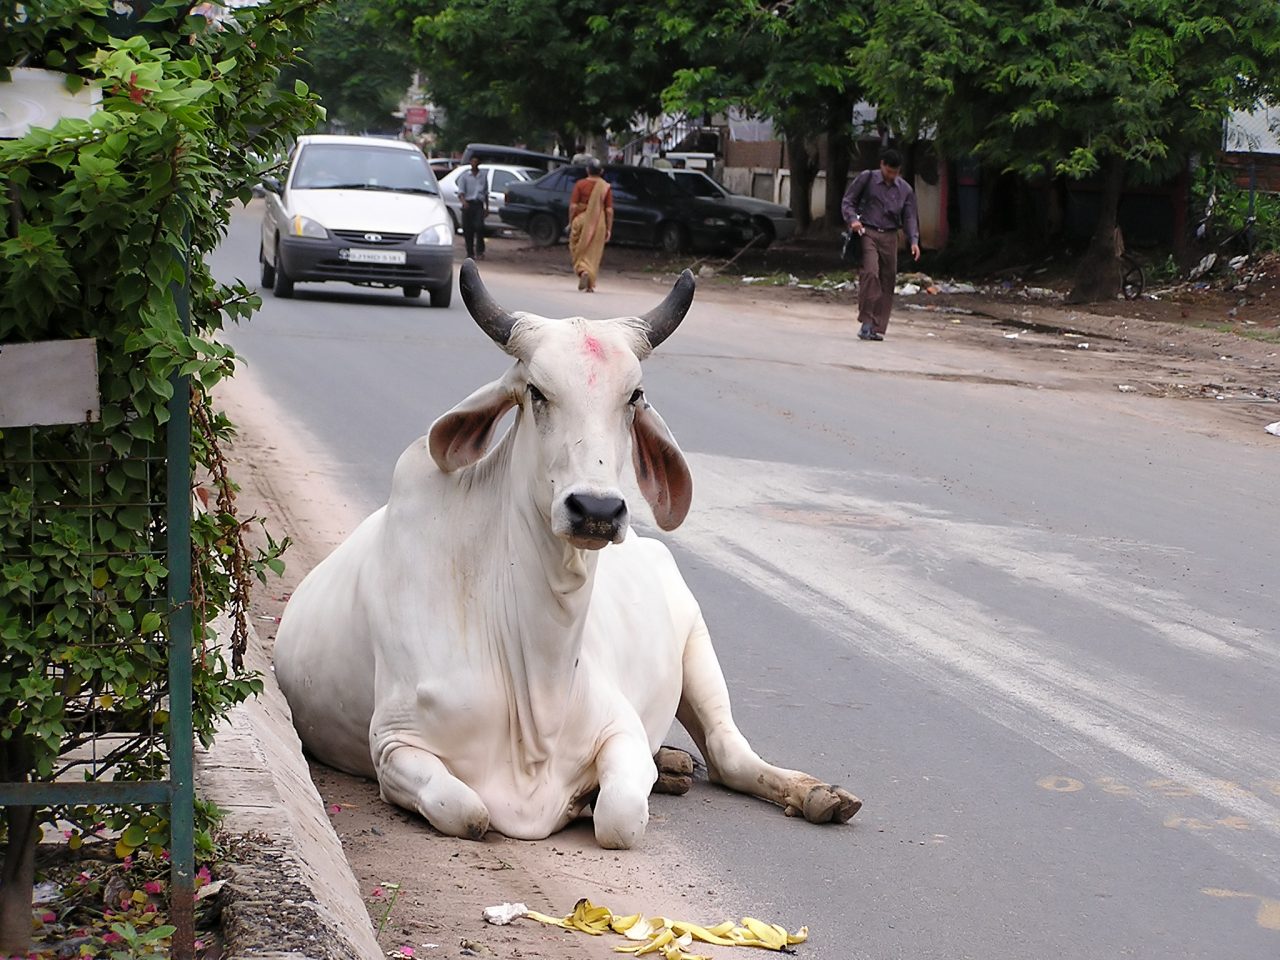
x: 876, y: 206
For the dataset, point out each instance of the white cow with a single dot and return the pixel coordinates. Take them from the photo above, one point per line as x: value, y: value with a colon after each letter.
x: 475, y: 647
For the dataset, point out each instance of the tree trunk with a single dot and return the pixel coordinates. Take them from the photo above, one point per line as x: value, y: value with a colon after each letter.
x: 18, y: 872
x: 1098, y: 275
x: 839, y: 153
x: 804, y: 169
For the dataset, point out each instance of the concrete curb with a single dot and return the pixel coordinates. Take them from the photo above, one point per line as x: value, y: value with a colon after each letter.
x: 291, y: 894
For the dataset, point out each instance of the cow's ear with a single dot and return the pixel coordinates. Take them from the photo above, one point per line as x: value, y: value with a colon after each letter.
x: 661, y: 470
x: 462, y: 436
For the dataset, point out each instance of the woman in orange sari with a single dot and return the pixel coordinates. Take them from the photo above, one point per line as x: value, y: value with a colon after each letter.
x: 590, y: 224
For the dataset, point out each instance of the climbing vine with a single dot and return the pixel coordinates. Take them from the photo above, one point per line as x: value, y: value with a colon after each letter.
x: 104, y: 223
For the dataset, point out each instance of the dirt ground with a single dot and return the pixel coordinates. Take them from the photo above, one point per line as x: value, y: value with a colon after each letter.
x: 1212, y: 347
x: 1215, y: 337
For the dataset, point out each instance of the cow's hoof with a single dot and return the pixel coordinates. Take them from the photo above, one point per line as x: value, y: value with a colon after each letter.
x: 673, y: 784
x: 828, y: 804
x: 675, y: 771
x: 674, y: 761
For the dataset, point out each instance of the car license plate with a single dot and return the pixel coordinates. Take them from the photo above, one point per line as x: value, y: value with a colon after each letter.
x: 372, y: 256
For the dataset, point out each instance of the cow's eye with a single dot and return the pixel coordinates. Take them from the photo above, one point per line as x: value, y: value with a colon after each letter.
x: 636, y: 396
x: 536, y: 395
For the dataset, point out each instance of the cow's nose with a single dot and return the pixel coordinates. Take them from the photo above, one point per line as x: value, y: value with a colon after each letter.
x: 599, y: 518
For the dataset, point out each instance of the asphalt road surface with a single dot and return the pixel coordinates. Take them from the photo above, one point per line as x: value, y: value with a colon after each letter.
x: 1037, y: 631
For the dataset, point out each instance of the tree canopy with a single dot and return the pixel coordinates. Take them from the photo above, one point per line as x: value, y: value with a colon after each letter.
x: 1073, y: 88
x: 523, y: 69
x: 358, y: 68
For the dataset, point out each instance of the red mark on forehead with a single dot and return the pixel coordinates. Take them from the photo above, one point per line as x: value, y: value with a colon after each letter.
x: 592, y: 347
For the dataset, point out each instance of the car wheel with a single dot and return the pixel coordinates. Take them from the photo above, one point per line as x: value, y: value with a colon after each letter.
x: 442, y: 296
x: 672, y: 238
x: 764, y: 234
x: 282, y: 285
x: 543, y: 230
x: 268, y: 271
x: 413, y: 291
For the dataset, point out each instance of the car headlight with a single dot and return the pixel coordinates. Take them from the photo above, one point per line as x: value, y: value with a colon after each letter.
x: 439, y: 235
x: 715, y: 222
x: 306, y: 227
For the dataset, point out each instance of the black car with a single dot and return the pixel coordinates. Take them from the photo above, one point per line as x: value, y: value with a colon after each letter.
x: 649, y: 210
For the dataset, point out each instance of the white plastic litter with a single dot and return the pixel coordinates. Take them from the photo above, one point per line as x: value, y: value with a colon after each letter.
x: 1274, y: 428
x: 504, y: 913
x: 1013, y: 336
x: 1125, y: 388
x: 1203, y: 267
x: 1082, y: 346
x: 908, y: 290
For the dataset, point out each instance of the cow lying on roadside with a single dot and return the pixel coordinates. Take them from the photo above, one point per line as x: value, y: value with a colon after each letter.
x: 495, y: 645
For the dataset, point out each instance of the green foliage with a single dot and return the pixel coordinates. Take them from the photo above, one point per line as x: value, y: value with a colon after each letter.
x: 521, y: 69
x: 1058, y: 87
x: 1215, y: 190
x: 791, y: 62
x: 357, y: 66
x: 107, y: 220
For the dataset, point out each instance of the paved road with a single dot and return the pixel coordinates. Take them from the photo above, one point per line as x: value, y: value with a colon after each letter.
x: 1036, y: 630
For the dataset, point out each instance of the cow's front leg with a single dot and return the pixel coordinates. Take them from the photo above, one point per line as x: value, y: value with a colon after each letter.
x: 417, y: 780
x: 627, y: 773
x: 705, y: 712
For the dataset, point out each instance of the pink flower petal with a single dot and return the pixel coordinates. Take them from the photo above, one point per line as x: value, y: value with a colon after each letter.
x: 335, y: 808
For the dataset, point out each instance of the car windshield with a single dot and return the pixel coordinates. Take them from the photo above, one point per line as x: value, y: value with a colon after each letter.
x: 342, y: 166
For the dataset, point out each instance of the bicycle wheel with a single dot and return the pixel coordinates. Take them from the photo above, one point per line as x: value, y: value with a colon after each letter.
x: 1132, y: 281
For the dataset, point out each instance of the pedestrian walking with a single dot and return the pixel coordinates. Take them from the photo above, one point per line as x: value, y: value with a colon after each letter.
x: 590, y: 224
x: 876, y: 206
x: 473, y: 191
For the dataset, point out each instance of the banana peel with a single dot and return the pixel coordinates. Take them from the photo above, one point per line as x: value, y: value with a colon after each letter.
x: 672, y: 939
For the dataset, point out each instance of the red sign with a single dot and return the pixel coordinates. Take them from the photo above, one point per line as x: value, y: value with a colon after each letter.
x: 415, y: 115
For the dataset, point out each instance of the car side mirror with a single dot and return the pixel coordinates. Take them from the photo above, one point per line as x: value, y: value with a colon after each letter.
x: 272, y: 184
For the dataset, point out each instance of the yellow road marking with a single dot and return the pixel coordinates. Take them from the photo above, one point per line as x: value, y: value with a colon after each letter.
x: 1268, y: 916
x: 1060, y: 784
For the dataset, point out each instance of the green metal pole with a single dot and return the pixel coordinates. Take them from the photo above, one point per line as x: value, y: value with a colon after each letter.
x: 181, y: 738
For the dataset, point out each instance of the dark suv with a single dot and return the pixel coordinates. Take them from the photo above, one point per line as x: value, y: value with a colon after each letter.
x: 649, y: 210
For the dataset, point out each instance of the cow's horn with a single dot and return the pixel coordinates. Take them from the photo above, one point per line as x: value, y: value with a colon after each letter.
x: 663, y: 319
x: 487, y: 313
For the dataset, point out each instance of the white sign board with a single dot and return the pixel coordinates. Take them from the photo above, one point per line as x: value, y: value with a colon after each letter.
x: 40, y: 98
x: 1253, y: 131
x: 47, y: 383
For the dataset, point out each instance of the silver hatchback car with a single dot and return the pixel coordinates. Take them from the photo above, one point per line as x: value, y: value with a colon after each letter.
x: 361, y: 210
x: 501, y: 176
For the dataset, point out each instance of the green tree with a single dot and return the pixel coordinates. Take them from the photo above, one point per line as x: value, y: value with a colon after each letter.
x: 1123, y: 90
x: 523, y: 68
x: 103, y: 220
x: 792, y: 62
x: 358, y: 65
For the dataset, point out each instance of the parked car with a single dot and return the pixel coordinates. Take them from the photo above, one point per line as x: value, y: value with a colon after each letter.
x: 513, y: 156
x: 772, y: 221
x: 441, y: 166
x: 359, y: 209
x: 500, y: 176
x: 649, y: 210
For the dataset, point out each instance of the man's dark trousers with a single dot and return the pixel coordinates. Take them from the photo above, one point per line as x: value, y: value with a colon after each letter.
x: 473, y: 227
x: 875, y: 281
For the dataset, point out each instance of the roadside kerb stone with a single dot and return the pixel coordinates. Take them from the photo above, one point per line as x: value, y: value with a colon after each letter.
x: 291, y: 894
